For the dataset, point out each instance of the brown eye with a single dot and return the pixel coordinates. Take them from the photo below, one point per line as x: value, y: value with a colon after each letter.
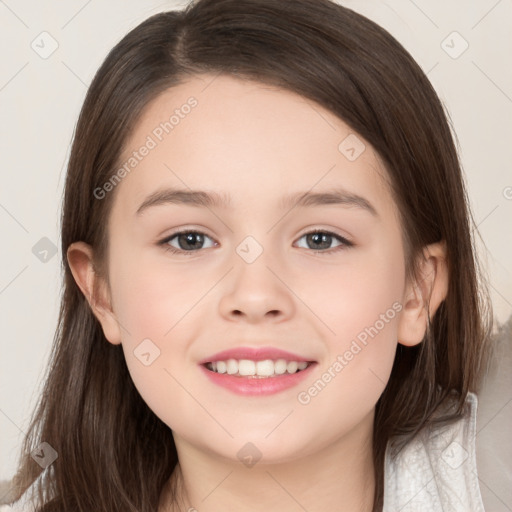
x: 187, y: 241
x: 190, y: 241
x: 323, y: 240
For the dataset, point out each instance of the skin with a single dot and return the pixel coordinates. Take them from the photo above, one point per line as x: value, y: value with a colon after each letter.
x: 258, y: 143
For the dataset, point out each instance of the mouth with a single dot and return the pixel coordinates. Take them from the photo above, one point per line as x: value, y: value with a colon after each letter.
x: 262, y: 369
x: 257, y: 372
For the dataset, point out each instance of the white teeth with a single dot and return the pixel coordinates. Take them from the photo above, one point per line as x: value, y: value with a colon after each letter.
x: 232, y: 366
x: 265, y: 368
x: 292, y: 367
x: 248, y: 368
x: 280, y: 366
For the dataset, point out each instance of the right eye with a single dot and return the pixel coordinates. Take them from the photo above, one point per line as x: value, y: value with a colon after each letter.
x: 185, y: 241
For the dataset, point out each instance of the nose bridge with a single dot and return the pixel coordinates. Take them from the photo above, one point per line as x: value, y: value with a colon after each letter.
x: 255, y: 292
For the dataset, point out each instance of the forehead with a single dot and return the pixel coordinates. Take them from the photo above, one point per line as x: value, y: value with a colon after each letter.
x: 250, y: 142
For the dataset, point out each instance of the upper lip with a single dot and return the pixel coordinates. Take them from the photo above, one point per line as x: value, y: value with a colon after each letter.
x: 254, y: 354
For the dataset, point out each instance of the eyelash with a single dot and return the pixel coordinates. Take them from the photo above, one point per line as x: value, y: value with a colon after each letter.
x: 345, y: 243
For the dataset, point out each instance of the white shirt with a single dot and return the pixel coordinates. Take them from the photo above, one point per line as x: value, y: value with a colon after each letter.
x: 435, y: 472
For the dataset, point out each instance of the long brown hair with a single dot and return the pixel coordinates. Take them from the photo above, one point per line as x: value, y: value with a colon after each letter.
x: 114, y: 453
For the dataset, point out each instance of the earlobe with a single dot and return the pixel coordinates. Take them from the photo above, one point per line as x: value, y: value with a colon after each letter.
x: 80, y: 259
x: 424, y: 295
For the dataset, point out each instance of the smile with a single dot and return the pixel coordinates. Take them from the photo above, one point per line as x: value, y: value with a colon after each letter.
x: 246, y: 378
x: 257, y: 369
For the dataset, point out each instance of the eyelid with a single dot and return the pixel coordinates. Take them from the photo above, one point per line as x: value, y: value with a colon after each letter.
x: 328, y: 231
x: 186, y: 231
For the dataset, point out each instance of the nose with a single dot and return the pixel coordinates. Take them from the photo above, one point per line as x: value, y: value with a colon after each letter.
x: 255, y: 292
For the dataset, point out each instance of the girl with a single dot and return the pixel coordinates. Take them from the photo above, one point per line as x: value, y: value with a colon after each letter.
x: 271, y: 300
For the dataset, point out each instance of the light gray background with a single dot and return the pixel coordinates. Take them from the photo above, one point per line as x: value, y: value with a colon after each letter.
x: 39, y: 104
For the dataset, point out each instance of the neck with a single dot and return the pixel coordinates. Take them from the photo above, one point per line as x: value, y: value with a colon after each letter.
x: 341, y: 478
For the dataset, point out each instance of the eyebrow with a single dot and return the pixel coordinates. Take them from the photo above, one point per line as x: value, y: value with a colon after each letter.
x: 205, y: 199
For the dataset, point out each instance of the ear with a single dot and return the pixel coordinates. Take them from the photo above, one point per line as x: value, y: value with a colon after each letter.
x: 428, y: 290
x: 95, y: 289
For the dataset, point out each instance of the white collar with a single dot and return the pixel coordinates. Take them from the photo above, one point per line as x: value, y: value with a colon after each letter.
x: 436, y: 471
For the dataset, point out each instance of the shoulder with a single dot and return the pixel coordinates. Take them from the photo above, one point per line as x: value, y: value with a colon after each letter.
x: 436, y: 471
x: 23, y: 505
x: 27, y: 502
x: 17, y: 507
x: 494, y: 449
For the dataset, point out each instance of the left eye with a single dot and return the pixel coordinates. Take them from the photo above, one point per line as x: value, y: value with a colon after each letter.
x: 318, y: 240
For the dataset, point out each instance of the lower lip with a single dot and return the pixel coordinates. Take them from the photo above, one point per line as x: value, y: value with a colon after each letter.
x: 255, y: 386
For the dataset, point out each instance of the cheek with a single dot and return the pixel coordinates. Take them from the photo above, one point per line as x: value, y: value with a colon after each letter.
x: 359, y: 305
x: 353, y: 295
x: 158, y: 310
x: 150, y: 299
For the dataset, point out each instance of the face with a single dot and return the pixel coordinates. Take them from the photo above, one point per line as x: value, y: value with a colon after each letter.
x: 322, y: 278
